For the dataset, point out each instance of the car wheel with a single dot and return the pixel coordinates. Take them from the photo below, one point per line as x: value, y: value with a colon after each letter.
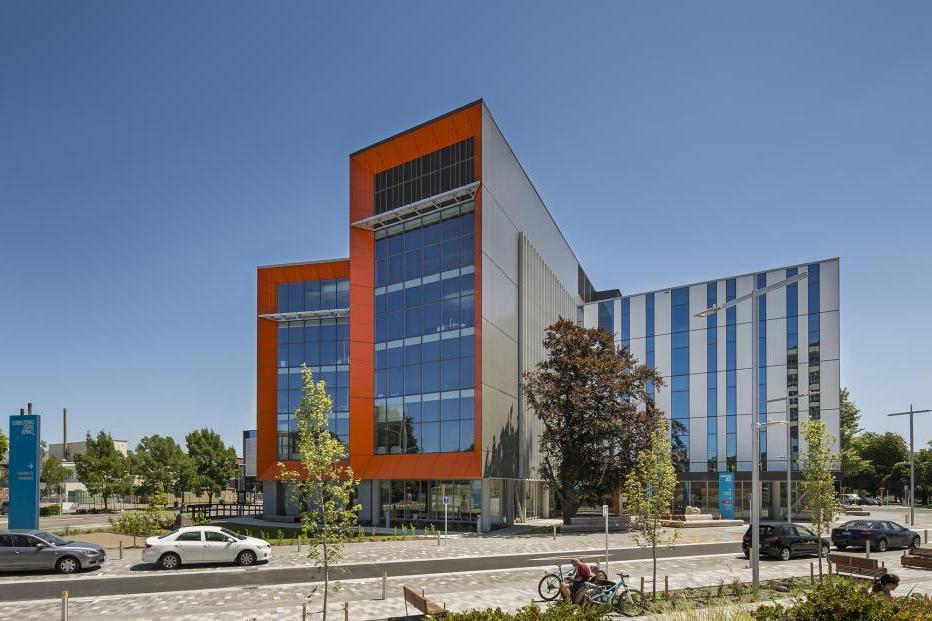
x: 916, y: 543
x: 882, y: 545
x: 824, y: 551
x: 246, y: 558
x: 785, y: 553
x: 67, y: 565
x: 170, y: 561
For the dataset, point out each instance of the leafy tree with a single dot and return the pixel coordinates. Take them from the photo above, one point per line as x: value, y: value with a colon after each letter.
x: 924, y: 474
x: 819, y: 496
x: 648, y: 493
x: 324, y: 485
x: 214, y: 462
x: 852, y: 464
x: 4, y: 446
x: 102, y: 469
x: 879, y: 454
x: 158, y: 462
x: 53, y: 473
x: 593, y: 402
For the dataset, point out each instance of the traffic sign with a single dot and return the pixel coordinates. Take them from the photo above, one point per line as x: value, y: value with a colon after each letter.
x: 446, y: 500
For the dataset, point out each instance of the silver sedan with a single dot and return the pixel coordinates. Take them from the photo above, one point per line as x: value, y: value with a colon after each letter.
x: 36, y: 550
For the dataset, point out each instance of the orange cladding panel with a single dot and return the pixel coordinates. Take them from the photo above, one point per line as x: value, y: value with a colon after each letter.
x: 364, y: 165
x: 267, y: 281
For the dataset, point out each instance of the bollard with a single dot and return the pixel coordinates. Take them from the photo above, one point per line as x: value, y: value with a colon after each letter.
x: 811, y: 573
x: 384, y: 584
x: 867, y: 549
x: 64, y: 606
x: 121, y: 549
x: 438, y: 538
x: 299, y: 542
x: 666, y: 587
x: 304, y: 611
x: 555, y: 533
x: 345, y: 611
x: 883, y: 564
x: 927, y: 535
x: 642, y: 585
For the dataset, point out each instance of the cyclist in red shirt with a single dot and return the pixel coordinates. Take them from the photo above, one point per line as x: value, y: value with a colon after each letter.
x: 575, y: 590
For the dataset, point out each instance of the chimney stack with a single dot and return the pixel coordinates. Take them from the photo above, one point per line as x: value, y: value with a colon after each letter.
x: 29, y: 408
x: 64, y: 434
x: 22, y: 412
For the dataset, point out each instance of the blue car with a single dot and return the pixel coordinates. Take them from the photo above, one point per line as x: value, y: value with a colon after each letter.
x: 882, y: 534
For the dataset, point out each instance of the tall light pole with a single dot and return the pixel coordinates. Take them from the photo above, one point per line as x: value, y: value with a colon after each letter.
x: 912, y: 462
x: 789, y: 469
x: 754, y: 297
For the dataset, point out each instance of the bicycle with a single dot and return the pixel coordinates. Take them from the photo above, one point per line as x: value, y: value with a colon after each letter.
x: 622, y: 598
x: 549, y: 586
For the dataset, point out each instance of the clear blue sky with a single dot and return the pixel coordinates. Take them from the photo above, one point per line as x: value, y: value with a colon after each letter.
x: 152, y: 154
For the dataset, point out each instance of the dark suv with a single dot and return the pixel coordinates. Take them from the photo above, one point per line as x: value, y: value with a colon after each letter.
x: 784, y: 541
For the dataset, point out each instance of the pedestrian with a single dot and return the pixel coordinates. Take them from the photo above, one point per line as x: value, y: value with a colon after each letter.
x: 575, y: 590
x: 885, y: 585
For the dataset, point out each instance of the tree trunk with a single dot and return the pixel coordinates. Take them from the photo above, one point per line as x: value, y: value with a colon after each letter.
x: 568, y: 506
x: 326, y: 566
x: 653, y: 551
x: 819, y: 538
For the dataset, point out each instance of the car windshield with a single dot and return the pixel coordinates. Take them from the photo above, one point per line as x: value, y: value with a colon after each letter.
x: 48, y: 537
x: 230, y: 533
x: 858, y: 524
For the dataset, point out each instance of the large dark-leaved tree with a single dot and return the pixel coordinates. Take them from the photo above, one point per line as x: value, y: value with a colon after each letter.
x: 597, y: 413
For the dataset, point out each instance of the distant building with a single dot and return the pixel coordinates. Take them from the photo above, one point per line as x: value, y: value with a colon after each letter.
x: 73, y: 488
x: 247, y: 465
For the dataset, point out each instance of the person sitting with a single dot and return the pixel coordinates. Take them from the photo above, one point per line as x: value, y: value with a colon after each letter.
x: 885, y: 586
x: 575, y: 590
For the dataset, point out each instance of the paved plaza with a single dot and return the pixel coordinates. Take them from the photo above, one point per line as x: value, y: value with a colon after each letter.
x: 508, y: 588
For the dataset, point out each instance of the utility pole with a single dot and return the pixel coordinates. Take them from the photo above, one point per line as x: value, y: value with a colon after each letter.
x: 912, y: 462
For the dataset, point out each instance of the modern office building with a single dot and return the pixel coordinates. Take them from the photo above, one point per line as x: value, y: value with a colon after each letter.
x: 455, y: 269
x: 706, y: 366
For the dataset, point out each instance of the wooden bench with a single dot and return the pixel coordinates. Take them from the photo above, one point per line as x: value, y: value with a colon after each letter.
x: 917, y: 557
x: 421, y: 603
x: 856, y: 566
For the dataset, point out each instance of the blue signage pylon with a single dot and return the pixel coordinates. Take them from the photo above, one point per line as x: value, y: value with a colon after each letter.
x: 24, y: 471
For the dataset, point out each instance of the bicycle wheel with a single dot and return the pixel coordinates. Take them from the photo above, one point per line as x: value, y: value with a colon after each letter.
x: 549, y: 587
x: 630, y: 603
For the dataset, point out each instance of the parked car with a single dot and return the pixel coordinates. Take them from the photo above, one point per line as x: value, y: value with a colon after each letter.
x: 33, y: 550
x: 204, y: 544
x: 882, y: 534
x: 785, y: 541
x: 873, y: 502
x: 850, y: 499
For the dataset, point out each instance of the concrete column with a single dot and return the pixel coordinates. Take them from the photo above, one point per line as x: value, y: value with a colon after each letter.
x: 776, y: 500
x: 486, y: 505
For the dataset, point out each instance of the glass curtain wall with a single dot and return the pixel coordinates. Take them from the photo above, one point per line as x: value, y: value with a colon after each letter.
x: 731, y: 379
x: 422, y: 501
x: 425, y: 335
x: 711, y: 336
x: 320, y: 344
x: 792, y: 364
x: 679, y: 380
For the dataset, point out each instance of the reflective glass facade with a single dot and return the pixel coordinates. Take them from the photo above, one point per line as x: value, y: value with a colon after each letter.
x: 434, y: 173
x: 679, y: 380
x: 815, y: 337
x: 711, y: 353
x: 425, y: 335
x: 761, y: 283
x: 649, y: 326
x: 322, y: 345
x: 626, y: 323
x: 607, y: 316
x: 792, y: 363
x: 422, y: 501
x: 731, y: 378
x: 313, y: 295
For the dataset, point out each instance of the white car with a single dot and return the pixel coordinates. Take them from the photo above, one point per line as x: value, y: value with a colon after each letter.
x: 204, y: 544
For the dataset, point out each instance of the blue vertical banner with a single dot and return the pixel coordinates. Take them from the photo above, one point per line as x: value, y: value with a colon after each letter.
x: 24, y: 471
x: 726, y: 495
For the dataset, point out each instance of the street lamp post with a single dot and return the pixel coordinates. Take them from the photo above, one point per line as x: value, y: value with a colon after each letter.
x: 912, y: 462
x: 789, y: 469
x: 754, y: 297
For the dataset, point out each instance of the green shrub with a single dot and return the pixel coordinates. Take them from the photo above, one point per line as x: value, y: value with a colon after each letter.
x: 49, y: 510
x: 557, y: 612
x: 841, y: 599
